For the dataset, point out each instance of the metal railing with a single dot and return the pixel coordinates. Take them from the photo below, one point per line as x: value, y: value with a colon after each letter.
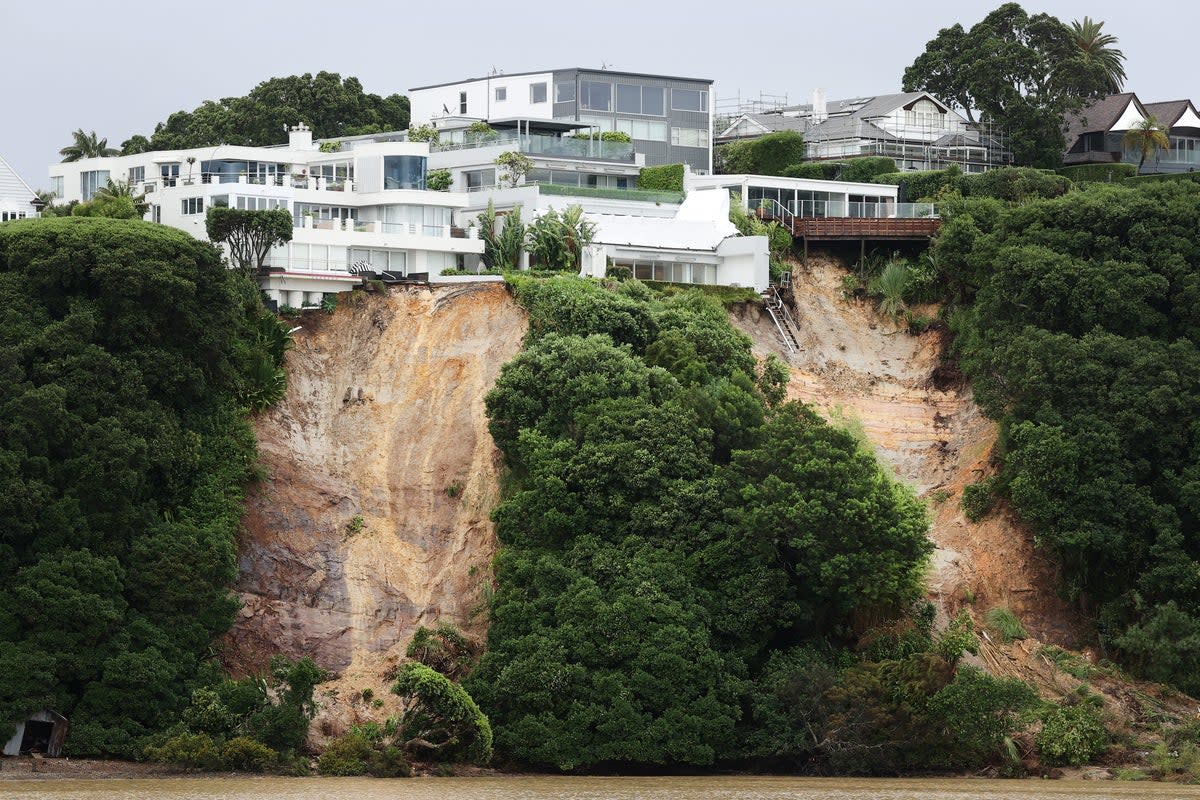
x: 807, y: 209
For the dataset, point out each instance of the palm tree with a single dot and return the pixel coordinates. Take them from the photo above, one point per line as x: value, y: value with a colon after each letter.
x: 1098, y: 49
x: 114, y: 189
x: 1147, y: 136
x: 86, y: 145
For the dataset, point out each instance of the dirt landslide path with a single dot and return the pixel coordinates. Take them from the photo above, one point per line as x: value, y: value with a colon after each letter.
x: 381, y: 475
x: 868, y: 374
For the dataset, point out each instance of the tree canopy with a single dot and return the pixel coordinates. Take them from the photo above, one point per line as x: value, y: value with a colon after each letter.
x: 250, y: 234
x: 669, y: 524
x: 326, y: 102
x: 1022, y: 72
x: 86, y: 145
x: 1083, y: 339
x: 125, y: 350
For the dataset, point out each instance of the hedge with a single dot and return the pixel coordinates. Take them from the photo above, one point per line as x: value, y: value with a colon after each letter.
x: 666, y: 178
x: 1092, y: 173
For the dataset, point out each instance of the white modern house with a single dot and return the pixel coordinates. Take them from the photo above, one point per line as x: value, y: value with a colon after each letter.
x: 16, y: 198
x: 669, y: 118
x: 360, y: 210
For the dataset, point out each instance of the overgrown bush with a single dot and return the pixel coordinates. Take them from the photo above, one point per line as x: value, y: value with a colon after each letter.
x: 663, y: 178
x: 1071, y: 735
x: 978, y: 499
x: 1004, y: 623
x: 1082, y: 174
x: 346, y: 755
x: 770, y: 154
x: 244, y: 753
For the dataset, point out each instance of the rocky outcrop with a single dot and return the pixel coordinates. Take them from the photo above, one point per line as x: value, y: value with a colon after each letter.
x: 380, y: 476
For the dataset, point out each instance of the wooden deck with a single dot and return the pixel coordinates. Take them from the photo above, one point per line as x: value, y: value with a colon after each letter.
x: 836, y: 228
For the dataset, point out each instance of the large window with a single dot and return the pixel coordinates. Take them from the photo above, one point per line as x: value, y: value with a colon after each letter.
x: 6, y: 216
x: 480, y: 179
x: 689, y: 100
x: 170, y: 174
x: 137, y: 175
x: 192, y: 205
x: 404, y: 172
x: 56, y: 185
x: 671, y: 272
x: 89, y: 182
x: 689, y: 137
x: 595, y: 95
x: 335, y: 174
x: 537, y: 92
x: 259, y: 203
x: 564, y: 92
x: 363, y: 260
x: 644, y: 129
x: 639, y: 99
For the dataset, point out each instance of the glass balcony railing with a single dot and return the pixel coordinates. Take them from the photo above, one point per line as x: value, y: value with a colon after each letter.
x: 545, y: 145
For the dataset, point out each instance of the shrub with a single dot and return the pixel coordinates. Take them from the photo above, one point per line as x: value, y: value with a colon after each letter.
x: 1015, y: 184
x: 194, y: 750
x: 346, y: 755
x: 814, y: 170
x: 664, y: 178
x: 242, y: 752
x: 863, y: 170
x: 978, y: 499
x: 438, y: 180
x: 1081, y: 174
x: 388, y: 762
x: 915, y: 186
x: 767, y: 155
x: 1071, y: 735
x: 1004, y: 623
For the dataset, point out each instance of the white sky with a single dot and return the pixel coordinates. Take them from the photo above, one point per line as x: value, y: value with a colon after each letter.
x: 121, y: 66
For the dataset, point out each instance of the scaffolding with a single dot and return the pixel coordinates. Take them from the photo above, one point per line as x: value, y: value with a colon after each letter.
x: 728, y: 109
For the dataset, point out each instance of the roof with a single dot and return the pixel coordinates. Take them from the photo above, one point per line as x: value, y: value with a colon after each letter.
x: 564, y: 69
x: 1098, y: 116
x: 1169, y: 113
x: 873, y: 106
x: 701, y: 223
x: 846, y: 118
x: 13, y: 188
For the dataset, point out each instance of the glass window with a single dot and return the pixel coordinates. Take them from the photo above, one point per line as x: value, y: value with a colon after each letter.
x: 480, y: 179
x: 170, y: 174
x: 595, y: 95
x: 89, y: 182
x: 462, y: 102
x: 652, y: 100
x: 501, y: 93
x: 629, y: 99
x: 689, y: 137
x: 404, y: 172
x: 537, y: 92
x: 137, y: 175
x: 192, y: 205
x: 56, y: 185
x: 689, y: 100
x: 564, y: 92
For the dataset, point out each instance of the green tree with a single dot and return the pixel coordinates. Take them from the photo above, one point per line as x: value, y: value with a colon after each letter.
x: 1098, y: 47
x: 767, y: 155
x: 516, y: 166
x: 1022, y: 72
x: 503, y: 237
x: 440, y: 719
x: 250, y: 235
x: 556, y: 240
x: 86, y: 145
x: 1148, y: 137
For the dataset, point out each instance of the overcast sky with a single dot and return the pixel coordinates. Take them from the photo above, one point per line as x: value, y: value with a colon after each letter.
x: 120, y: 67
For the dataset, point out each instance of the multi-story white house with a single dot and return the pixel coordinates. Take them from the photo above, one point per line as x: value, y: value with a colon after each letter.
x: 361, y: 209
x: 16, y: 198
x: 668, y: 118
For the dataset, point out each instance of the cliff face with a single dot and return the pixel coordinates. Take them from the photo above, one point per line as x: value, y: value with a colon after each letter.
x: 373, y: 517
x: 867, y: 373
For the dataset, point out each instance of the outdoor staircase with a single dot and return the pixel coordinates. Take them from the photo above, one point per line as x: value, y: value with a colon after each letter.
x: 784, y: 323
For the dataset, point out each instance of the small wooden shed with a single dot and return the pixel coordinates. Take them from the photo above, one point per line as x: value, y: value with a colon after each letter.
x: 43, y: 732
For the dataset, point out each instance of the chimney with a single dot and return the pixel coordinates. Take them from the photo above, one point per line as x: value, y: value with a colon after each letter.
x: 819, y: 112
x: 300, y: 137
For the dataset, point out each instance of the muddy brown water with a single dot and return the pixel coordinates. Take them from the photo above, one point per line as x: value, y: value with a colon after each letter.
x: 583, y: 788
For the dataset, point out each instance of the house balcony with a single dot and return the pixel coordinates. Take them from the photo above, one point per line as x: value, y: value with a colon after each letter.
x: 540, y: 144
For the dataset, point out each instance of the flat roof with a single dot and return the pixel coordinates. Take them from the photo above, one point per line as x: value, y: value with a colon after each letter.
x: 564, y: 69
x: 537, y: 124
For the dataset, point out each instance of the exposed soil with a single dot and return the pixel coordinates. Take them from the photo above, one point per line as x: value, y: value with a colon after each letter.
x: 381, y: 476
x: 868, y: 374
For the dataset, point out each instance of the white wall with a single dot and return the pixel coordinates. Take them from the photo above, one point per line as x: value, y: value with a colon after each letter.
x: 442, y: 101
x: 745, y: 261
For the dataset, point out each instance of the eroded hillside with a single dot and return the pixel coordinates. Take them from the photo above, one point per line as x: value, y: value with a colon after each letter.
x: 869, y: 374
x: 373, y: 517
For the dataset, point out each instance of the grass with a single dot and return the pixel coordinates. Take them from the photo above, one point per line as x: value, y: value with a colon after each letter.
x: 1074, y: 665
x: 1004, y: 623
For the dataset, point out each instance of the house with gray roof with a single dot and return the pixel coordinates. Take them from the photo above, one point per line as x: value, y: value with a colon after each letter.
x: 1096, y: 134
x: 915, y: 128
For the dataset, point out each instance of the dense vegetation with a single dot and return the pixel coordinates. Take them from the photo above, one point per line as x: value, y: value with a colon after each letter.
x: 128, y: 356
x: 1081, y: 334
x: 688, y: 562
x: 326, y: 102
